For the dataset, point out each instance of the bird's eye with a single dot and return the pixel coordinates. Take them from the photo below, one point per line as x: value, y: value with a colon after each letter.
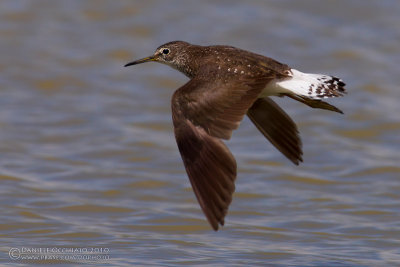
x: 165, y: 51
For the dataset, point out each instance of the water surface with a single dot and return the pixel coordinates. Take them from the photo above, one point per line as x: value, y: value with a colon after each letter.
x: 88, y: 157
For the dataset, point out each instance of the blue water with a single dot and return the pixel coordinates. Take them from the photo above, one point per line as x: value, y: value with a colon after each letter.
x: 88, y: 157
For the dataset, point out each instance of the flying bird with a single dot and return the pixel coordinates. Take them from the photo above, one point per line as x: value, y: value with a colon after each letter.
x: 227, y: 83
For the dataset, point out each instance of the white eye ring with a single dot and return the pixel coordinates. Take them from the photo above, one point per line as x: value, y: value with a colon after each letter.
x: 165, y: 51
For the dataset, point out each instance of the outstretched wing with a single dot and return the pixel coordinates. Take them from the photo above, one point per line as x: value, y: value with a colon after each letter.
x: 211, y: 169
x: 277, y: 127
x: 218, y: 106
x: 204, y: 111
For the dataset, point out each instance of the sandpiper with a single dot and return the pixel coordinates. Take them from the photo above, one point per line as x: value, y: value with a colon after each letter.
x: 225, y: 84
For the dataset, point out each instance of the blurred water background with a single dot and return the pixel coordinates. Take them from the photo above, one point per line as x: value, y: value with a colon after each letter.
x: 88, y: 157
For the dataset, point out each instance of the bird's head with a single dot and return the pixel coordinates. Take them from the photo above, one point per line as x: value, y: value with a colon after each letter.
x: 175, y: 54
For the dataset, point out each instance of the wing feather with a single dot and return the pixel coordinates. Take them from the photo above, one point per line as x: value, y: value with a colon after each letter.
x: 218, y: 106
x: 203, y: 112
x: 211, y: 169
x: 277, y: 127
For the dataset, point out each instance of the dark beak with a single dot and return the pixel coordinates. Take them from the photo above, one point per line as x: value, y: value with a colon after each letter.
x: 143, y: 60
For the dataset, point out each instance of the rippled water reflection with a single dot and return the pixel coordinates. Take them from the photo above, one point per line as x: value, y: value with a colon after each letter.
x: 88, y: 157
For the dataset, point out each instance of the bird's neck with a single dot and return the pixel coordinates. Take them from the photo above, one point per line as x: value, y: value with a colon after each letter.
x: 189, y: 63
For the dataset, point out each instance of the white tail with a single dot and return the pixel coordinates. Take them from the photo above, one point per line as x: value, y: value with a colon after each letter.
x: 315, y: 86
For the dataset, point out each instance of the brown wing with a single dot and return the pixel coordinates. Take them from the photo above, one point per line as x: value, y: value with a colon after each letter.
x: 277, y: 127
x: 314, y: 103
x: 218, y: 106
x: 202, y: 113
x: 211, y: 169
